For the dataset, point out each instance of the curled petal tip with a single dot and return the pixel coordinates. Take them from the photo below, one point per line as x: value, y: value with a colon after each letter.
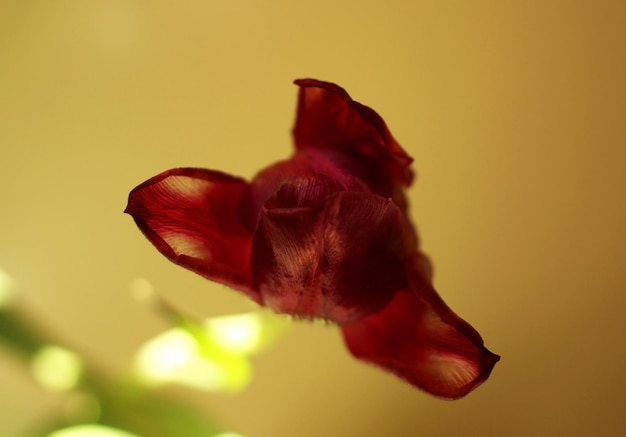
x: 191, y: 217
x: 412, y: 340
x: 328, y: 119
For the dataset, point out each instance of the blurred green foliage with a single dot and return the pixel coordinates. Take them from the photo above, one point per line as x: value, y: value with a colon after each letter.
x: 211, y: 354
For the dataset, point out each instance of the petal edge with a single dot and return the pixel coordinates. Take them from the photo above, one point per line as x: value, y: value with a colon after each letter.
x: 423, y: 343
x: 328, y: 119
x: 192, y: 217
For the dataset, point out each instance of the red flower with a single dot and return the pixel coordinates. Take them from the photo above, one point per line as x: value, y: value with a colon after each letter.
x: 326, y: 235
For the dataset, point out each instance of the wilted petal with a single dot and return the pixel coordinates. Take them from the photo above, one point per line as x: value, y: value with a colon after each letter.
x: 324, y: 234
x: 192, y: 217
x: 418, y: 338
x: 338, y: 262
x: 328, y: 119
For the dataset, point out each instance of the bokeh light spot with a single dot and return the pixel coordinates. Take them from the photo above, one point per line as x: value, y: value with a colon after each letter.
x: 176, y: 356
x: 7, y: 289
x: 166, y: 355
x: 141, y: 289
x: 91, y: 431
x: 240, y: 333
x: 56, y: 368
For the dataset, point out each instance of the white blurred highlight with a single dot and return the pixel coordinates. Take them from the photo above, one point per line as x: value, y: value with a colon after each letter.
x: 91, y: 431
x: 176, y: 356
x: 240, y: 333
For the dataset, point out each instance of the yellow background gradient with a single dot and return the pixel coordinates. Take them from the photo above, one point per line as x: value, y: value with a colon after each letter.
x: 513, y: 111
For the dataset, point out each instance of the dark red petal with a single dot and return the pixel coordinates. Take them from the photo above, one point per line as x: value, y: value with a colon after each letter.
x: 191, y: 216
x: 328, y: 119
x: 418, y: 338
x: 306, y: 180
x: 338, y: 262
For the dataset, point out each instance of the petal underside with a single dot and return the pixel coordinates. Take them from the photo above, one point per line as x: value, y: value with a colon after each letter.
x: 338, y: 262
x: 419, y: 339
x: 192, y: 217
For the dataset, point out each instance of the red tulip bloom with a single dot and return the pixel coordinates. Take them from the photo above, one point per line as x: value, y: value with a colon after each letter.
x: 324, y: 234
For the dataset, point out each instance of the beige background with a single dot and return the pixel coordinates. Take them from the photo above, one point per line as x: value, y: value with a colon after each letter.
x: 514, y: 112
